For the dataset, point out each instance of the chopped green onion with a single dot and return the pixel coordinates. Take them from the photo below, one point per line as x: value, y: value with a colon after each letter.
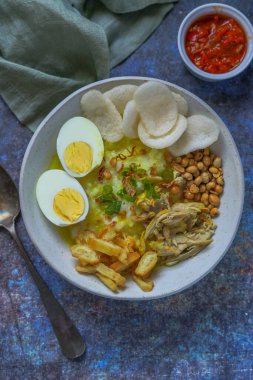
x: 133, y: 182
x: 107, y: 189
x: 113, y: 208
x: 107, y: 196
x: 149, y: 188
x: 134, y: 168
x: 123, y: 194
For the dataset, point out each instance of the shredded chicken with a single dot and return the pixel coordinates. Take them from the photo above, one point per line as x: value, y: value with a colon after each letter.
x: 179, y: 232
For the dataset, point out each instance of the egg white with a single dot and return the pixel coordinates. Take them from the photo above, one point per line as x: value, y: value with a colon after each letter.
x: 48, y: 185
x: 80, y: 129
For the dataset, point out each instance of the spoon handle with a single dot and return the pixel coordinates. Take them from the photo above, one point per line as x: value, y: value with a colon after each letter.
x: 69, y: 338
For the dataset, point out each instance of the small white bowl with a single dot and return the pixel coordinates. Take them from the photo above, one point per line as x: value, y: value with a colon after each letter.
x: 204, y: 10
x: 55, y: 250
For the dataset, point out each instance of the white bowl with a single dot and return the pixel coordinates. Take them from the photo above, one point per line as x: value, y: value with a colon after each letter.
x: 55, y: 251
x: 204, y: 10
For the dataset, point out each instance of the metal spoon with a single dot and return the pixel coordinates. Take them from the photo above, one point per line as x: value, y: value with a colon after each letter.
x: 69, y: 338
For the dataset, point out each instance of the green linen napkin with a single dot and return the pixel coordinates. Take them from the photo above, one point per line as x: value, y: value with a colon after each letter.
x: 49, y: 48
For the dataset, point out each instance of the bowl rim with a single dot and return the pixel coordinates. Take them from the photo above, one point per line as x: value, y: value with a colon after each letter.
x: 193, y: 15
x: 56, y: 268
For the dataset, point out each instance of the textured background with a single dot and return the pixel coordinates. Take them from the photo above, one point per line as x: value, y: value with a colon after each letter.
x: 205, y: 332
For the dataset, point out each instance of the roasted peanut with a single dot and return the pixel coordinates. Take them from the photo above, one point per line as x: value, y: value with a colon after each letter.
x: 187, y: 176
x: 198, y: 180
x: 198, y: 156
x: 175, y: 189
x: 197, y: 197
x: 218, y: 189
x: 205, y: 177
x: 178, y: 168
x: 220, y: 181
x: 206, y: 161
x: 188, y: 195
x: 191, y: 162
x: 214, y: 212
x: 202, y: 188
x: 214, y: 200
x: 200, y: 165
x: 213, y: 170
x: 206, y: 152
x: 204, y: 199
x: 191, y: 169
x: 196, y: 174
x: 210, y: 186
x: 217, y: 162
x: 185, y: 162
x: 194, y: 189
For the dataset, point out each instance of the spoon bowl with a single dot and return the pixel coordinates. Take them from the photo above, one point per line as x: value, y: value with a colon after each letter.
x: 68, y: 336
x: 9, y: 201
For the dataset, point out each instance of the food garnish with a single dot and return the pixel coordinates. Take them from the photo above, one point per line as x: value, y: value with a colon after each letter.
x: 203, y: 174
x: 109, y: 200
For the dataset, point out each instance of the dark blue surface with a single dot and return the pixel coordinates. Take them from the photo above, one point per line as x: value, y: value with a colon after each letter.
x: 206, y: 332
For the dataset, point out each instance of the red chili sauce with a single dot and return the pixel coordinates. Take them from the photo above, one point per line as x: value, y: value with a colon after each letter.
x: 216, y: 43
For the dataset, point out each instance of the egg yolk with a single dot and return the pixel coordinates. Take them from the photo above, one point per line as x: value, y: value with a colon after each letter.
x: 68, y: 205
x: 78, y: 157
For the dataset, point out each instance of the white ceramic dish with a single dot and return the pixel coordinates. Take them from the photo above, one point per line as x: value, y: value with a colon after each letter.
x: 204, y: 10
x: 55, y: 251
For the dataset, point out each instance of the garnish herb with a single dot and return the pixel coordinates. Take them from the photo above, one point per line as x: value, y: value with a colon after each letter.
x: 135, y: 170
x: 123, y: 194
x: 133, y: 182
x: 113, y: 208
x: 107, y: 196
x: 149, y: 188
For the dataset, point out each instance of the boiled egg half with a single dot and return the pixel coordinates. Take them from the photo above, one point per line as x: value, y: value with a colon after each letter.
x: 79, y: 146
x: 61, y: 198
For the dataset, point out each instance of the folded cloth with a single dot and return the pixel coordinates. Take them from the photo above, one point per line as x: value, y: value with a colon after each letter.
x: 49, y: 48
